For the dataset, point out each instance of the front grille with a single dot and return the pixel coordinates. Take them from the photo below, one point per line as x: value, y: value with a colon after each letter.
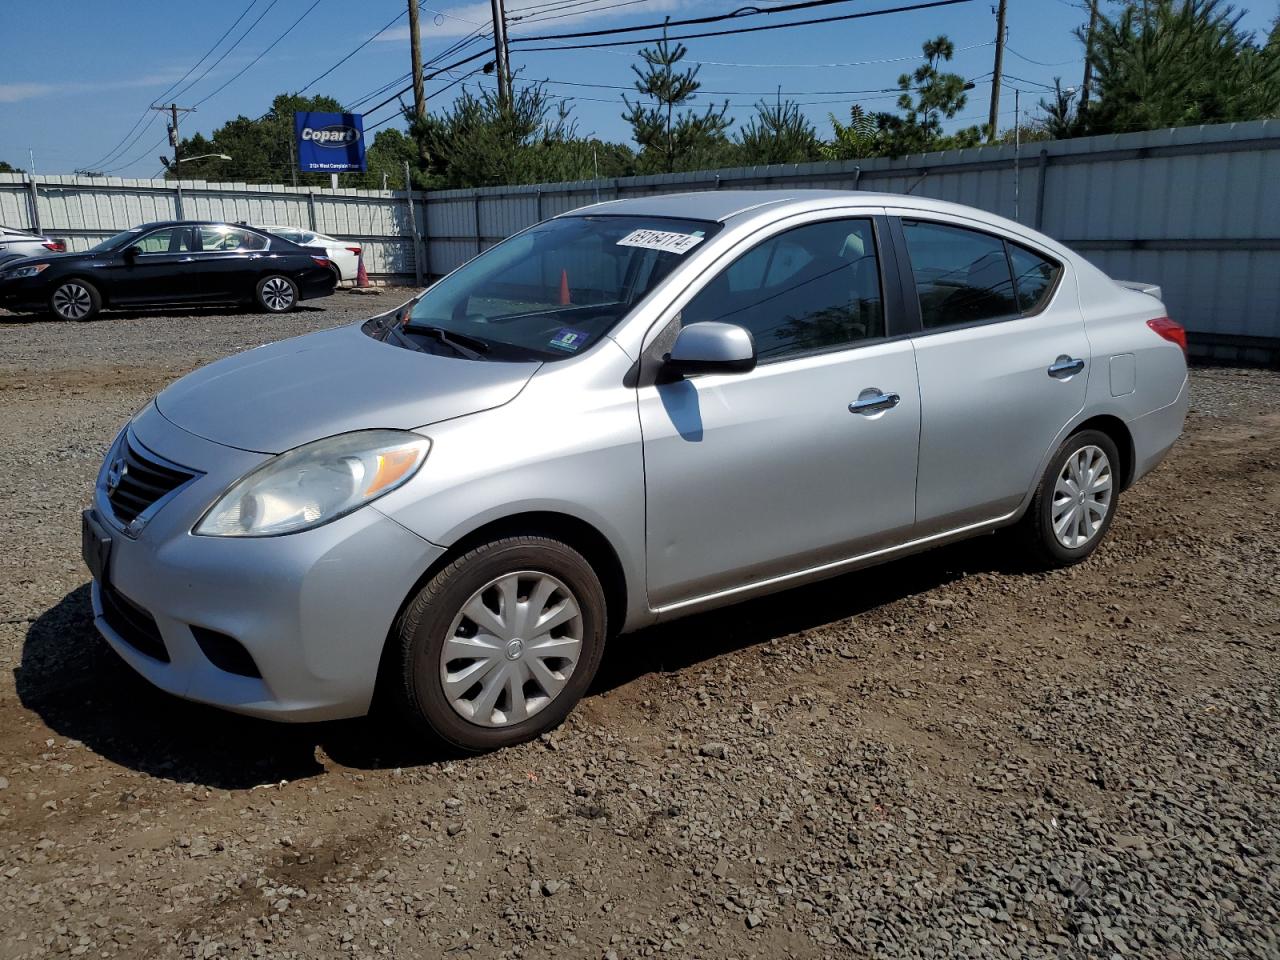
x: 143, y: 481
x: 134, y: 625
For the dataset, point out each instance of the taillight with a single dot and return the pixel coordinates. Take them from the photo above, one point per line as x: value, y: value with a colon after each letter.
x: 355, y: 250
x: 1170, y: 330
x: 323, y: 261
x: 57, y: 246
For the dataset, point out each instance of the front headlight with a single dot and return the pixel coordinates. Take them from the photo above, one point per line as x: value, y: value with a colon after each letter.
x: 17, y: 273
x: 315, y: 483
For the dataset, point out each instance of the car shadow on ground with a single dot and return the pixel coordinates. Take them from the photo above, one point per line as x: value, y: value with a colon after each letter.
x: 83, y: 691
x: 143, y: 313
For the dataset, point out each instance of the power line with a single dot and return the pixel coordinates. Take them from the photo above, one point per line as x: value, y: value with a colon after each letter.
x: 250, y: 64
x: 1041, y: 63
x: 690, y: 21
x: 227, y: 52
x: 119, y: 147
x: 777, y: 26
x: 385, y: 27
x: 725, y: 33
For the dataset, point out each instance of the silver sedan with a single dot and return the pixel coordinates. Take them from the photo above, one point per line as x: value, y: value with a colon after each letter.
x: 632, y: 412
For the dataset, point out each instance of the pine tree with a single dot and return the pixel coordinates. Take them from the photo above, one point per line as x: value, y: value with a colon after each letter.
x: 670, y: 138
x: 778, y: 133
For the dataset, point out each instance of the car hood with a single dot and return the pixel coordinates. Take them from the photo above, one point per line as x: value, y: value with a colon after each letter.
x: 276, y: 397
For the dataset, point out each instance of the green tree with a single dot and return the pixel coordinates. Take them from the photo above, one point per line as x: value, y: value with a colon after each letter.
x: 481, y: 140
x: 8, y: 168
x: 1169, y: 63
x: 670, y: 138
x: 863, y: 136
x: 929, y: 96
x: 778, y: 133
x: 261, y: 149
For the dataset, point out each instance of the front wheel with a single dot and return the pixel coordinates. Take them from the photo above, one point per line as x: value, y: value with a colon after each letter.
x: 75, y: 300
x: 277, y: 294
x: 1075, y: 502
x: 500, y: 644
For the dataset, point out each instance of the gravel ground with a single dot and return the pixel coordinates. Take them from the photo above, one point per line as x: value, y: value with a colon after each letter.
x: 942, y: 757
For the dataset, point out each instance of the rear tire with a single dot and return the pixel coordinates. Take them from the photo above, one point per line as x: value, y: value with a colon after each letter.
x: 75, y: 299
x: 501, y: 678
x: 276, y: 293
x: 1074, y: 503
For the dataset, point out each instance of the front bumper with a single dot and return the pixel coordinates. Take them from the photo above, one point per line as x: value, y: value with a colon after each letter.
x: 311, y: 609
x: 27, y: 293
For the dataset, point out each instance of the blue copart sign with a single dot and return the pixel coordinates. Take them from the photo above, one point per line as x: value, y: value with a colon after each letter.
x: 330, y: 142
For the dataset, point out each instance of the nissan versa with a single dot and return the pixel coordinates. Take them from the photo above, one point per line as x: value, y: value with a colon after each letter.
x: 625, y: 414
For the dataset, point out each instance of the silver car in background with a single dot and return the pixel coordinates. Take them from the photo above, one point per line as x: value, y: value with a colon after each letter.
x: 632, y: 412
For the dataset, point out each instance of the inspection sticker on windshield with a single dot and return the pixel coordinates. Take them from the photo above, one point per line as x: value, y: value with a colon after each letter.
x: 569, y: 339
x: 660, y: 240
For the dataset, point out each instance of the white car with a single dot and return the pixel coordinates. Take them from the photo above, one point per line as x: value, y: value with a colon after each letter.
x: 345, y: 255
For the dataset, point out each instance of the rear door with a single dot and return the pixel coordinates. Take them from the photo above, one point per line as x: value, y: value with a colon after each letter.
x: 1003, y: 363
x: 162, y: 271
x: 229, y: 261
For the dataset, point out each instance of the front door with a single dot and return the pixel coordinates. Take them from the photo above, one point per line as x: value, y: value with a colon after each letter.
x: 807, y: 460
x: 1003, y: 361
x: 160, y: 270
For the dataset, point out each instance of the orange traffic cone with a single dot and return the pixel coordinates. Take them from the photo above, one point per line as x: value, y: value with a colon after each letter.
x: 565, y: 300
x: 362, y: 278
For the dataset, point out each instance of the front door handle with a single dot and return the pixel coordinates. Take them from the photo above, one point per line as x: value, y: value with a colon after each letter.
x: 874, y: 400
x: 1065, y: 366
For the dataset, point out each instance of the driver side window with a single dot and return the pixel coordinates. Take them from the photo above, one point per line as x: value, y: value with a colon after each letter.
x: 812, y: 288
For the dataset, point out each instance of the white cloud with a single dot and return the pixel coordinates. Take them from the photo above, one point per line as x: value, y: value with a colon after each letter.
x: 14, y: 92
x: 458, y: 21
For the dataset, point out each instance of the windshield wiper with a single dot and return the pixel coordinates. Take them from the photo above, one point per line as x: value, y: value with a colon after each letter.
x: 473, y: 348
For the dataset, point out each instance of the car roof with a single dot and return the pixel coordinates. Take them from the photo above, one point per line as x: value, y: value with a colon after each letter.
x: 724, y: 205
x: 156, y: 224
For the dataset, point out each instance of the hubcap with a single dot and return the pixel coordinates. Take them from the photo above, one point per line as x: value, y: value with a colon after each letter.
x: 277, y: 293
x: 71, y: 301
x: 1081, y: 497
x: 511, y: 649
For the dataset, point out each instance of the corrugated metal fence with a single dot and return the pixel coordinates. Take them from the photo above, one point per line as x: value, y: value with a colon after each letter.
x: 1195, y: 209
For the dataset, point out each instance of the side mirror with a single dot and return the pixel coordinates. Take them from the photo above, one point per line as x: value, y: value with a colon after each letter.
x: 711, y: 347
x: 132, y: 251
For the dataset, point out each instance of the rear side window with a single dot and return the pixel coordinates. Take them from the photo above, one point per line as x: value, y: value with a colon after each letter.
x: 962, y: 276
x: 1034, y: 278
x: 222, y: 237
x: 815, y: 287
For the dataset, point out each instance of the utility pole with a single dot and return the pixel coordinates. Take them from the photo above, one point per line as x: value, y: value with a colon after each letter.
x: 174, y: 139
x: 997, y: 72
x: 500, y: 51
x: 1087, y: 82
x: 419, y: 95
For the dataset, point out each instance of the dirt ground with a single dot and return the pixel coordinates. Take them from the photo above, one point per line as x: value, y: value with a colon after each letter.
x: 942, y: 757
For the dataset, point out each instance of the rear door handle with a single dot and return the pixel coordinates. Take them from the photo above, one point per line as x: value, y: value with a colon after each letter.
x: 874, y: 400
x: 1065, y: 366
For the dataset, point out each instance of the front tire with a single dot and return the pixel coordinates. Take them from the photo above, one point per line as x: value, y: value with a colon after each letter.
x: 77, y: 300
x: 276, y: 294
x: 1075, y: 502
x: 500, y: 644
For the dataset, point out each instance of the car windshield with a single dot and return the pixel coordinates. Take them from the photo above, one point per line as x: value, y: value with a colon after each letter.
x: 554, y: 290
x: 119, y: 239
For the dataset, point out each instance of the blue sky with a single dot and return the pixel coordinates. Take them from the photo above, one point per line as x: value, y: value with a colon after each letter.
x: 76, y: 76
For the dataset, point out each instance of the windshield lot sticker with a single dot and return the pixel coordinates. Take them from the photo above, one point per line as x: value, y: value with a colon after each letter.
x: 660, y: 240
x: 569, y: 339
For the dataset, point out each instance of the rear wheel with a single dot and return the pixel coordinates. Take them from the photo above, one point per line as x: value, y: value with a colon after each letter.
x: 277, y: 294
x: 75, y: 300
x: 499, y: 645
x: 1076, y: 501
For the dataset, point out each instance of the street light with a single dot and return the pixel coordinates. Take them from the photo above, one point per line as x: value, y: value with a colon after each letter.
x: 204, y: 156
